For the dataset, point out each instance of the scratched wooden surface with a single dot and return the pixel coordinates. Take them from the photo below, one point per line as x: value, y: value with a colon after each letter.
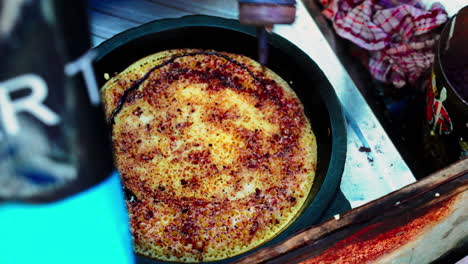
x: 110, y: 17
x: 419, y: 223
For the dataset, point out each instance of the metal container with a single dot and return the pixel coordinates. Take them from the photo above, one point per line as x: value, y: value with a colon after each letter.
x: 58, y: 192
x: 446, y: 129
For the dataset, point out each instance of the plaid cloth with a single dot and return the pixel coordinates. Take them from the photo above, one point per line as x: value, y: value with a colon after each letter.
x: 397, y: 34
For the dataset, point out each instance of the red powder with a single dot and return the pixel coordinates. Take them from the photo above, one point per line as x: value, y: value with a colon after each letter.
x: 376, y: 240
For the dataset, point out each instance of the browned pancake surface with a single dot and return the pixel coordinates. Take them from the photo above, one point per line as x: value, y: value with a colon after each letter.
x: 215, y: 150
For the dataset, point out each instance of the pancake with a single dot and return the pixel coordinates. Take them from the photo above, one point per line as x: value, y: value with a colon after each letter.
x: 214, y: 150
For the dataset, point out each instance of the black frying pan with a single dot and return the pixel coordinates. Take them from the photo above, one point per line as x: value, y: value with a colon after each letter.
x: 320, y: 101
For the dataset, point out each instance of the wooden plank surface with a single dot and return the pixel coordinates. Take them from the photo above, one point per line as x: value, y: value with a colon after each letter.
x: 223, y: 8
x: 106, y: 26
x: 420, y: 202
x: 137, y: 11
x: 110, y: 17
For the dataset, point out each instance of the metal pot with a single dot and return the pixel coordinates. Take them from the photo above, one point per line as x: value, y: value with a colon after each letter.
x: 446, y: 133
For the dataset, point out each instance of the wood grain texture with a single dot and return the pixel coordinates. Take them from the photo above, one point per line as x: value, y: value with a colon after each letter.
x: 110, y: 17
x: 137, y: 11
x: 106, y: 26
x: 224, y: 8
x: 399, y: 207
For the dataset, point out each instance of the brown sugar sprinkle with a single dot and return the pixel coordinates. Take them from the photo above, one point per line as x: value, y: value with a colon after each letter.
x: 195, y: 207
x: 138, y: 111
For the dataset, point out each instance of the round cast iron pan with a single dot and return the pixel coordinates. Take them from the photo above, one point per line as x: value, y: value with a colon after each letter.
x: 320, y: 101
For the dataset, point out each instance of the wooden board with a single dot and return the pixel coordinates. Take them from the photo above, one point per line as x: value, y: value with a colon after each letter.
x: 110, y: 17
x: 388, y: 229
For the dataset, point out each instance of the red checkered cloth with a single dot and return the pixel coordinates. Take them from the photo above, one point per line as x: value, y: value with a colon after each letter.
x: 397, y: 34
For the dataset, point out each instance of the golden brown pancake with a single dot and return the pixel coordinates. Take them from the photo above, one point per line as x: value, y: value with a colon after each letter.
x: 214, y: 150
